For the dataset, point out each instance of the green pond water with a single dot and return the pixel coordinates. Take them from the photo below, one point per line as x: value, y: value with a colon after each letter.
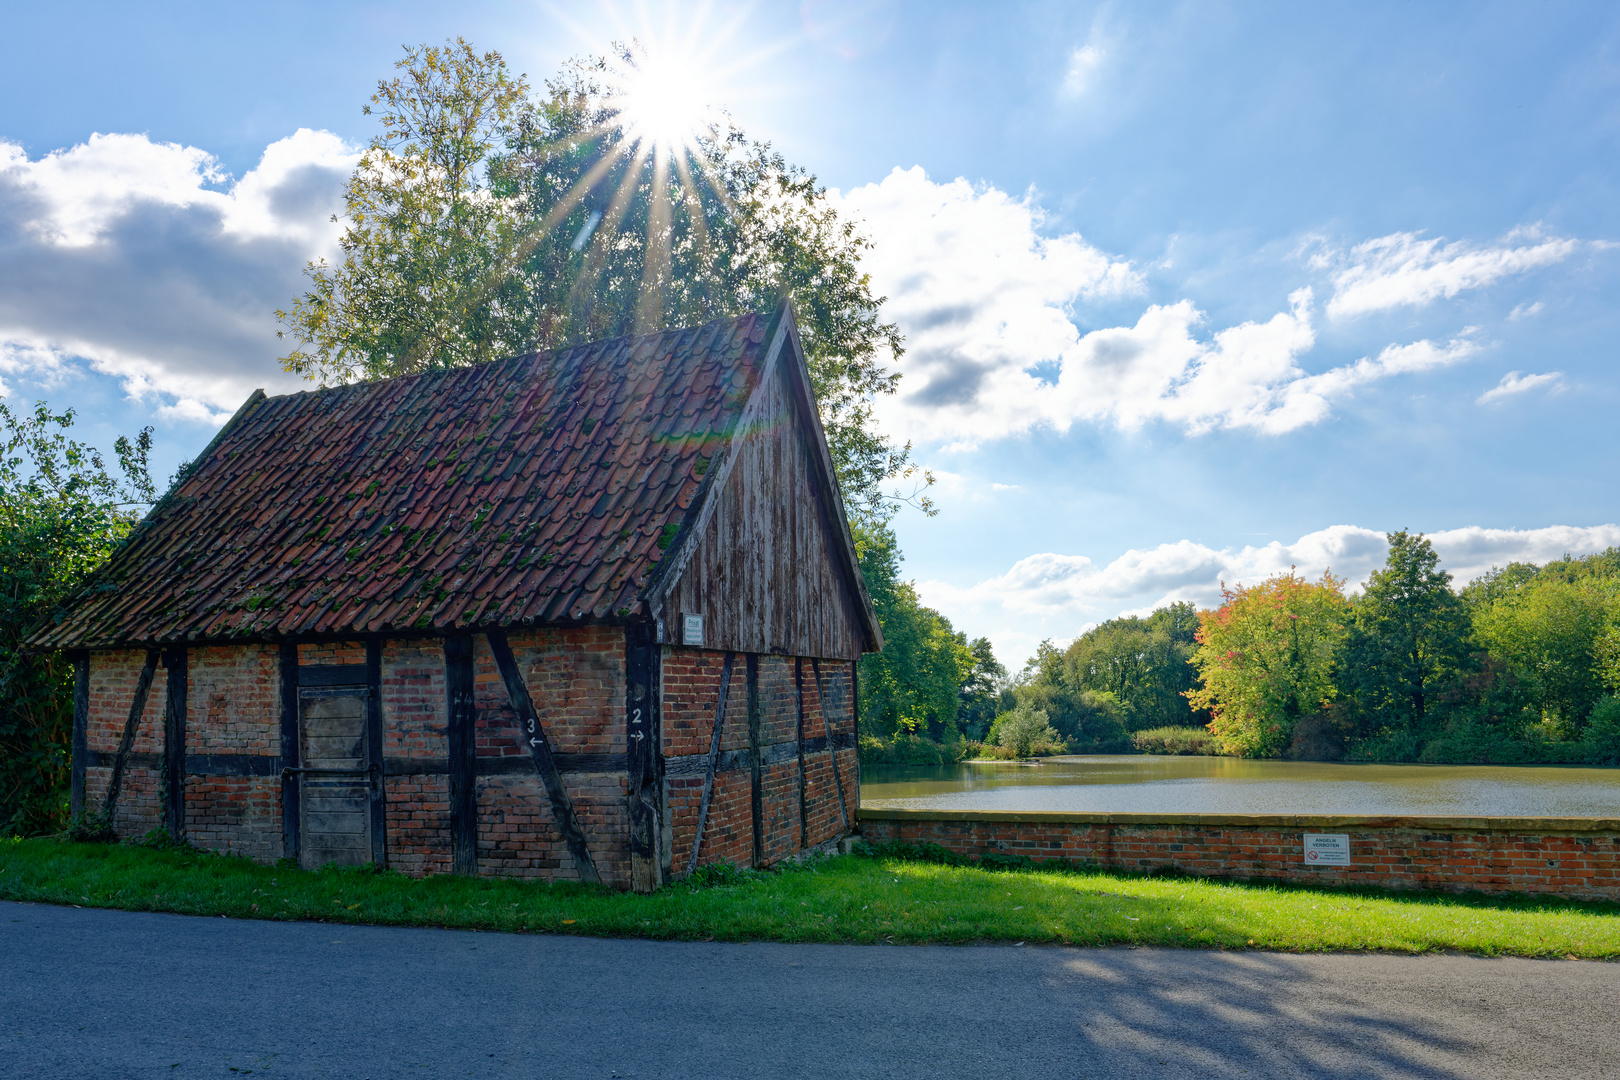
x: 1216, y: 785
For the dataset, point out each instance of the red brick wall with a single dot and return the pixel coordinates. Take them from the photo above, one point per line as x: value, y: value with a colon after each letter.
x: 113, y: 675
x: 413, y: 713
x: 233, y: 704
x: 239, y: 815
x: 1578, y: 858
x: 233, y: 700
x: 576, y: 678
x: 691, y: 685
x: 331, y: 652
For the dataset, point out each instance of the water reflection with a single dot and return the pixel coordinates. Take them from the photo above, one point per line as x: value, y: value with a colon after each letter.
x: 1157, y: 785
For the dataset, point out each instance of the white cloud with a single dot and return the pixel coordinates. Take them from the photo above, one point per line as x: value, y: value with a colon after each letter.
x: 146, y: 260
x: 1514, y: 383
x: 987, y: 304
x: 1059, y: 596
x: 1083, y: 65
x: 1403, y: 269
x: 1525, y: 311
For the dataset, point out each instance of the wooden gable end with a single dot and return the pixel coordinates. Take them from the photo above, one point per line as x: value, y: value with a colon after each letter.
x: 768, y: 572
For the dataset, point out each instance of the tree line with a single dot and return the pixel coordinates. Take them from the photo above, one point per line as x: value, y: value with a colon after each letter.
x: 1520, y: 665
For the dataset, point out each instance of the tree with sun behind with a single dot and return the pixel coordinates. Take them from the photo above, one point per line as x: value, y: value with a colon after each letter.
x: 486, y: 220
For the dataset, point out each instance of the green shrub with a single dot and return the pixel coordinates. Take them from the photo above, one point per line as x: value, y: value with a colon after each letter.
x: 1176, y: 740
x: 1601, y: 741
x: 912, y: 750
x: 1026, y: 732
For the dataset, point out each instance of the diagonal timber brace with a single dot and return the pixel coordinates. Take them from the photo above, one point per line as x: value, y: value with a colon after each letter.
x: 545, y: 762
x: 137, y: 709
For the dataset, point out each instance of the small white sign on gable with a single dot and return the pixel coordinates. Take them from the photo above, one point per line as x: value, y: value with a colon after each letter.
x: 1327, y: 849
x: 692, y: 630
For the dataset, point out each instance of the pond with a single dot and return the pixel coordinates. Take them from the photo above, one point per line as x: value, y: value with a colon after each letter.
x: 1142, y: 784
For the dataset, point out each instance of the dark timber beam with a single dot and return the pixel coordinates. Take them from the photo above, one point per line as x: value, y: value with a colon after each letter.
x: 374, y: 751
x: 458, y: 684
x: 643, y: 755
x: 81, y: 731
x: 545, y: 763
x: 289, y: 750
x: 137, y: 709
x: 174, y: 744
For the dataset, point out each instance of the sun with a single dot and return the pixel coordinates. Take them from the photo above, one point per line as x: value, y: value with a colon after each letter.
x: 662, y: 99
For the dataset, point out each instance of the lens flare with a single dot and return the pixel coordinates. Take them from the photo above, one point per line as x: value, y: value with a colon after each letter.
x: 662, y: 99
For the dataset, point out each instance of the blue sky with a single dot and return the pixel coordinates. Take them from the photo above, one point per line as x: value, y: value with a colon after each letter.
x: 1192, y: 292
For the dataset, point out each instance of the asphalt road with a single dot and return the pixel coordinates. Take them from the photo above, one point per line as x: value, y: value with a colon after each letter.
x: 88, y: 993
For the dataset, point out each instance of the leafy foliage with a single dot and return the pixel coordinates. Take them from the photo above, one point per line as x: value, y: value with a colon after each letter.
x: 1090, y: 720
x: 1408, y: 641
x: 62, y: 513
x: 1025, y: 732
x: 1266, y: 658
x: 1176, y: 740
x: 1552, y: 634
x: 927, y: 672
x: 1143, y: 663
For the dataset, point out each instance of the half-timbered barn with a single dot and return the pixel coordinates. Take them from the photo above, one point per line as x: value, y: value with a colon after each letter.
x: 590, y: 614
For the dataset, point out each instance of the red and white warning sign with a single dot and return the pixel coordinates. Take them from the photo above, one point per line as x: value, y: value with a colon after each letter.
x: 1327, y: 849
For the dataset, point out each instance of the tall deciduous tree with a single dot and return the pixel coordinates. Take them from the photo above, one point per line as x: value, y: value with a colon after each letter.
x: 485, y: 221
x: 1553, y: 633
x: 915, y: 685
x: 1266, y: 660
x: 1143, y: 663
x: 1408, y: 640
x: 62, y: 513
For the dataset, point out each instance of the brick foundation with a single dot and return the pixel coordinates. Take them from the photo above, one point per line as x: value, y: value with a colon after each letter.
x: 1578, y: 858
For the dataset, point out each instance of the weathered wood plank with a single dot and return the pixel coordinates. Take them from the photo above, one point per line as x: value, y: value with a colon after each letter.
x: 458, y: 683
x: 534, y: 734
x: 765, y: 573
x: 334, y: 675
x: 137, y: 709
x: 174, y: 743
x: 643, y: 755
x: 714, y: 760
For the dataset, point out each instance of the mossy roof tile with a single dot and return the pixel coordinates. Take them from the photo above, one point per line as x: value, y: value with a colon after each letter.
x: 533, y: 489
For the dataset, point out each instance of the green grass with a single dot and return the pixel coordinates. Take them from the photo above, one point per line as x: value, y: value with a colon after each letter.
x: 862, y: 899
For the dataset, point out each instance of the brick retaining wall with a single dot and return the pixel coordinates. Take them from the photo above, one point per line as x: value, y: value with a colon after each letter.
x: 1570, y: 857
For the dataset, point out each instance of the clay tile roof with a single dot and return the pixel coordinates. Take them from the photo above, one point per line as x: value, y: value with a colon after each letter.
x: 537, y: 489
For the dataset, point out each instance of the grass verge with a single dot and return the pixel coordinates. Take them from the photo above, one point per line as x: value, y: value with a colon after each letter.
x: 894, y: 897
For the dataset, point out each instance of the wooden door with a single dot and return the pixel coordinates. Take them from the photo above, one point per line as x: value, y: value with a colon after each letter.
x: 335, y: 792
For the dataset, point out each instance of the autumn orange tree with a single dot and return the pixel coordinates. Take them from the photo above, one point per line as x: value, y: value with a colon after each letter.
x: 1265, y: 658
